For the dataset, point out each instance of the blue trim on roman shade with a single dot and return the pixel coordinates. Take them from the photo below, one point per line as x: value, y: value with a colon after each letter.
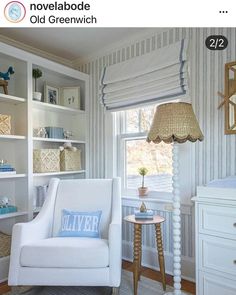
x: 146, y: 79
x: 103, y: 85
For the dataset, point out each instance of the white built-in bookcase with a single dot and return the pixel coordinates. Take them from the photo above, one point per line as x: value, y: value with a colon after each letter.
x: 27, y: 114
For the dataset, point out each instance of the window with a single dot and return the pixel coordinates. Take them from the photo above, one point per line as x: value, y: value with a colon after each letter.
x: 134, y: 152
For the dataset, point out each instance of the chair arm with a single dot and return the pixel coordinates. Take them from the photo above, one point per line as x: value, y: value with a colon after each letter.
x: 115, y: 256
x: 31, y: 231
x: 22, y: 234
x: 37, y: 229
x: 41, y: 226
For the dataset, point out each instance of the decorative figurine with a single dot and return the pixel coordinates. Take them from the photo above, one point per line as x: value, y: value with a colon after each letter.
x: 4, y: 201
x: 67, y: 134
x: 68, y: 146
x: 6, y: 76
x: 143, y: 208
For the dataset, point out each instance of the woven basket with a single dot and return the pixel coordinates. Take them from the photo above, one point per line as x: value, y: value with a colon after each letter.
x: 46, y: 160
x: 5, y: 124
x: 70, y: 160
x: 5, y: 245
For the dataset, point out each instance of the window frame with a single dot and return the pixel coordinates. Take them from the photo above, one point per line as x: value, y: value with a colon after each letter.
x: 122, y: 138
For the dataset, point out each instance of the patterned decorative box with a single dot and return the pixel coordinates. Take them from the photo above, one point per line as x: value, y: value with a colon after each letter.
x: 55, y: 132
x: 5, y: 245
x: 70, y: 160
x: 5, y: 124
x: 46, y: 160
x: 9, y: 209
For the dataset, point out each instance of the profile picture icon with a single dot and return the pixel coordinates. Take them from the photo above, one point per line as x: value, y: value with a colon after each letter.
x: 14, y: 11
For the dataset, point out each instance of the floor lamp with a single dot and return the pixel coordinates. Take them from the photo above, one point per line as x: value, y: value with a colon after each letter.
x: 175, y: 123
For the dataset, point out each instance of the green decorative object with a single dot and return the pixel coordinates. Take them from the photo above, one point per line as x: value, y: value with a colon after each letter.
x: 143, y: 190
x: 37, y: 73
x: 142, y: 171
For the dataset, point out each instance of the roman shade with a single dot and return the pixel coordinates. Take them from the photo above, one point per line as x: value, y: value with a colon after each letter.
x: 146, y: 79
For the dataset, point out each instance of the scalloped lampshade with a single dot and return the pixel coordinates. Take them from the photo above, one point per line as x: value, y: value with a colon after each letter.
x: 174, y: 122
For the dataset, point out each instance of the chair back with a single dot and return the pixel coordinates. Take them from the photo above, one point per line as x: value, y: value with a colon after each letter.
x: 84, y: 195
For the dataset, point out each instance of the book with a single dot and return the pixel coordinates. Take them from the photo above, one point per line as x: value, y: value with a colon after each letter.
x: 7, y: 172
x: 6, y: 169
x: 5, y: 166
x: 147, y: 213
x: 8, y: 209
x: 144, y: 217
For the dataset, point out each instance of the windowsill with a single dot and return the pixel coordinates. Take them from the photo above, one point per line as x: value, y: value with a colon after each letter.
x: 158, y: 197
x: 148, y: 199
x: 154, y: 200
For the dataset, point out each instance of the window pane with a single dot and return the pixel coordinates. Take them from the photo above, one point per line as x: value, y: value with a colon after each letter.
x: 146, y: 116
x: 157, y: 158
x: 139, y: 120
x: 132, y: 121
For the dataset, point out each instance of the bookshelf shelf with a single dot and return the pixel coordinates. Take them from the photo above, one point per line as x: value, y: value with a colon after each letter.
x: 59, y: 173
x: 11, y: 99
x: 11, y: 215
x: 58, y: 140
x: 12, y: 137
x: 56, y: 108
x: 9, y: 175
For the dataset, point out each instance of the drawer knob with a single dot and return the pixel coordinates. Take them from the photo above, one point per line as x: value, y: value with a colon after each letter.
x: 234, y: 261
x: 235, y: 224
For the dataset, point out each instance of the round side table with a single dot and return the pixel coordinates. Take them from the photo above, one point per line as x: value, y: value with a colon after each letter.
x: 157, y: 220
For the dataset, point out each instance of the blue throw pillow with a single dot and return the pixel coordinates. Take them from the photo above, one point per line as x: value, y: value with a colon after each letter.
x: 80, y: 224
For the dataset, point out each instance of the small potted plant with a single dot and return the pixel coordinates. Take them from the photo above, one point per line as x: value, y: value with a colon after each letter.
x: 37, y: 73
x: 143, y: 190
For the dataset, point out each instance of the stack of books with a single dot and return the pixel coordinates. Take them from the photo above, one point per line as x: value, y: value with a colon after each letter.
x: 7, y: 169
x: 8, y: 209
x: 143, y: 215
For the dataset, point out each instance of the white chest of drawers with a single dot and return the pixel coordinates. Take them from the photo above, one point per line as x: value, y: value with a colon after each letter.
x: 215, y: 216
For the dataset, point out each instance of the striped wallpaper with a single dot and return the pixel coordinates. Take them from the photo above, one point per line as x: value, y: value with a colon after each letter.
x: 211, y: 159
x: 215, y: 157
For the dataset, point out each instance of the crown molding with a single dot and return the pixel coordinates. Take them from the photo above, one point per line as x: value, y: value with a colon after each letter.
x: 36, y: 51
x: 149, y: 32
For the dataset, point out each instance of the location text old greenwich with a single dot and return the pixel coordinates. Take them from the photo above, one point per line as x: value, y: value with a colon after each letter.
x: 52, y: 19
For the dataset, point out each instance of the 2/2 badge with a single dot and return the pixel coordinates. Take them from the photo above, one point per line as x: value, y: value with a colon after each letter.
x: 216, y: 42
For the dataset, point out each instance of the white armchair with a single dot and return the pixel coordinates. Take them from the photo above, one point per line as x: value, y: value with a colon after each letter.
x: 40, y: 257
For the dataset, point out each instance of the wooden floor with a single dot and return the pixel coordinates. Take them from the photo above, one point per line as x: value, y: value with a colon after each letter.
x: 156, y: 275
x: 4, y: 288
x: 146, y: 272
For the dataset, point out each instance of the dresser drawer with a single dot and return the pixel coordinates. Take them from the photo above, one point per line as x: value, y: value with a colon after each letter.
x: 215, y: 285
x: 219, y: 221
x: 217, y: 255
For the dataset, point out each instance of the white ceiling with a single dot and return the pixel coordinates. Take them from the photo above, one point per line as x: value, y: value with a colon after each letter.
x: 72, y: 43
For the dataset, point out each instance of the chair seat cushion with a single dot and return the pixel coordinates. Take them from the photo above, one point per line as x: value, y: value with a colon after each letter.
x: 69, y: 252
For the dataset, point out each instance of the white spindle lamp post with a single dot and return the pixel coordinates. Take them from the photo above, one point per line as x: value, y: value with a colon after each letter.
x: 175, y: 123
